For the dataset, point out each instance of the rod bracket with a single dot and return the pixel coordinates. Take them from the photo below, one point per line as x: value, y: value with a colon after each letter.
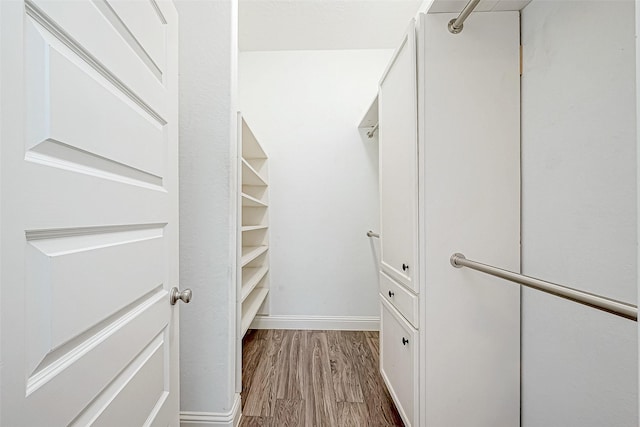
x: 454, y: 258
x: 455, y: 25
x: 452, y: 27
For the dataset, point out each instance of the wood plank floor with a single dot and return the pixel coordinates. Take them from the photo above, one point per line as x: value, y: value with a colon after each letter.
x: 314, y: 378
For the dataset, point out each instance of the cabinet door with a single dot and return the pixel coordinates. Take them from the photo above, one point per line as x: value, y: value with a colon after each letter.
x: 398, y: 361
x: 399, y: 164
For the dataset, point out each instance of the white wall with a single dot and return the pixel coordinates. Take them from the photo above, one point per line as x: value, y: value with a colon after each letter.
x: 638, y: 161
x: 579, y: 366
x: 208, y: 81
x: 304, y: 107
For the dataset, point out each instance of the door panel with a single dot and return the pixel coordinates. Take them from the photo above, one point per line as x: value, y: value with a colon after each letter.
x: 111, y: 54
x: 399, y: 164
x: 142, y: 382
x: 144, y: 22
x: 91, y: 266
x: 63, y: 91
x: 88, y: 176
x: 122, y: 337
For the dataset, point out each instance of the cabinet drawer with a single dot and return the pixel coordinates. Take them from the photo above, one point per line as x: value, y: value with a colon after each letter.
x: 400, y: 297
x: 399, y: 361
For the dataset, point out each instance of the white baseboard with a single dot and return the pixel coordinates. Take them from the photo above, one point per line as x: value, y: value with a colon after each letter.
x: 335, y: 323
x: 208, y: 419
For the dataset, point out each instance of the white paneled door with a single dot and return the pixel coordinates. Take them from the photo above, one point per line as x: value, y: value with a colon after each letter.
x: 88, y: 214
x: 398, y: 118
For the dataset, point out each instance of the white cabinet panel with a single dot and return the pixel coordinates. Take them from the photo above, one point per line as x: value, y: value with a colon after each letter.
x: 398, y: 361
x: 399, y: 164
x: 470, y: 102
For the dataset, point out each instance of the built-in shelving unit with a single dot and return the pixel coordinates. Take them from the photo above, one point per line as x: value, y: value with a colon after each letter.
x: 253, y: 230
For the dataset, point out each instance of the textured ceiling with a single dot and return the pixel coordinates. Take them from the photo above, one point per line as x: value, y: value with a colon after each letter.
x: 323, y: 24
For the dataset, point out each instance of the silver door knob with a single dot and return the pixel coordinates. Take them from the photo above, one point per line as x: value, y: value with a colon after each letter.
x: 176, y: 295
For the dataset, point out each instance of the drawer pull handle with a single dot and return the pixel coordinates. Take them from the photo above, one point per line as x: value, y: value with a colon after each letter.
x: 405, y: 267
x: 391, y: 294
x: 405, y: 341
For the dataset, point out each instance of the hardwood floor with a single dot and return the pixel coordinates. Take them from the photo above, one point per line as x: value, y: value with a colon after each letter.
x: 314, y: 378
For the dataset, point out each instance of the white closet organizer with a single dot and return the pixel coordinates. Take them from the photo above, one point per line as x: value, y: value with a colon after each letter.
x: 449, y: 136
x: 253, y: 238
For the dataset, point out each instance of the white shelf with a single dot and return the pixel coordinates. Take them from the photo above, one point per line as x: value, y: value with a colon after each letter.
x: 249, y: 253
x: 251, y: 276
x: 251, y: 306
x: 250, y: 176
x: 370, y: 118
x: 254, y: 227
x: 249, y: 201
x: 251, y: 148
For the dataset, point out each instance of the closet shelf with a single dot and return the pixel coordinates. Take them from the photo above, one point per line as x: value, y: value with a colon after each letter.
x: 251, y: 276
x: 370, y: 118
x: 251, y: 148
x: 251, y: 306
x: 249, y: 253
x: 254, y: 227
x: 250, y: 176
x: 252, y: 202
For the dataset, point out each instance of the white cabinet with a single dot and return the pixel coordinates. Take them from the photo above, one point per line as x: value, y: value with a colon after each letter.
x: 450, y: 182
x: 399, y: 284
x: 253, y: 232
x: 397, y: 116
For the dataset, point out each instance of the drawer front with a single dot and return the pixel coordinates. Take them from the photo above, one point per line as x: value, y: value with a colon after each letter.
x: 398, y: 361
x: 400, y: 297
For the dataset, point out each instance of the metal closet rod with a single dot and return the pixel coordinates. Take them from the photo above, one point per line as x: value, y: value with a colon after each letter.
x: 456, y: 25
x: 619, y: 308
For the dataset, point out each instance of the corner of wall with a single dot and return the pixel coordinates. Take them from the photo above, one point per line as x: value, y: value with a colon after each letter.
x: 230, y: 418
x: 208, y: 82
